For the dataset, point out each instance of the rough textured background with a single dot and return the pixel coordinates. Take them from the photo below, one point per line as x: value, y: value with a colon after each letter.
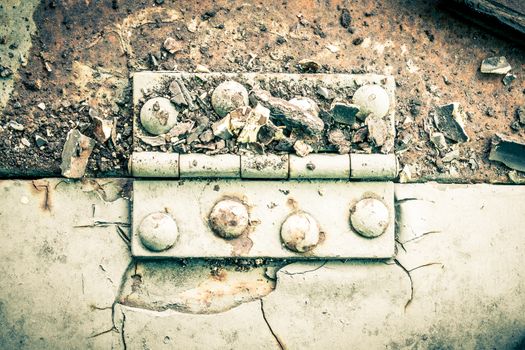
x: 91, y: 47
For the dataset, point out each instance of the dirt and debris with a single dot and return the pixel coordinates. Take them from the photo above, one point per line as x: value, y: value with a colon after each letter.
x: 91, y: 58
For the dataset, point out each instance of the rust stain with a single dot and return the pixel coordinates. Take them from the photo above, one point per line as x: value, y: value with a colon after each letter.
x: 43, y: 185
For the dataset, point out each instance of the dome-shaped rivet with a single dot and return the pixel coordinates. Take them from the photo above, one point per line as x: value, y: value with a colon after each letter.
x: 229, y: 218
x: 370, y: 217
x: 300, y: 232
x: 158, y: 231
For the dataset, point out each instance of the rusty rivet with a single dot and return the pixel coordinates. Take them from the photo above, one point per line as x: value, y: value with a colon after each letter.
x: 300, y: 232
x: 158, y: 231
x: 228, y: 96
x: 229, y: 218
x: 370, y: 217
x: 158, y: 115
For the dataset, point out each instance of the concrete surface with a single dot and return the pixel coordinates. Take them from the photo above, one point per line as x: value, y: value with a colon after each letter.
x: 456, y: 283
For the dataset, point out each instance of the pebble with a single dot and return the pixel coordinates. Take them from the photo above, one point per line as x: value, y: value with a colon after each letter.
x: 449, y: 119
x: 302, y: 149
x: 344, y: 113
x: 40, y: 141
x: 438, y: 139
x: 495, y: 65
x: 325, y: 93
x: 42, y: 106
x: 172, y: 45
x: 508, y: 79
x: 16, y: 126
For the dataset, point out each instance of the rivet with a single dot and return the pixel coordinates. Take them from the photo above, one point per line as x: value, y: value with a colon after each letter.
x: 158, y: 115
x: 300, y: 232
x: 228, y: 96
x: 370, y: 217
x: 158, y: 231
x: 229, y: 218
x: 371, y: 99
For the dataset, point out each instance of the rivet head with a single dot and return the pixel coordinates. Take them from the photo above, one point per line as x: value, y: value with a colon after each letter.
x: 158, y: 231
x: 370, y: 217
x: 228, y: 96
x: 158, y: 115
x: 229, y: 218
x: 300, y: 232
x: 372, y: 99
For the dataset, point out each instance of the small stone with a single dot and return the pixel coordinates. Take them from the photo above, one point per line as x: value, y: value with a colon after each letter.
x: 17, y: 105
x: 377, y: 130
x: 302, y: 149
x: 172, y: 45
x: 25, y: 142
x: 40, y: 141
x: 289, y: 114
x: 177, y: 96
x: 345, y: 19
x: 360, y: 135
x: 5, y: 72
x: 338, y: 138
x: 42, y: 106
x: 228, y: 96
x: 495, y: 65
x: 306, y: 104
x: 309, y: 66
x: 75, y: 154
x: 439, y: 141
x: 16, y: 126
x: 300, y: 232
x: 508, y: 79
x: 449, y: 120
x: 325, y: 93
x: 370, y: 217
x: 520, y: 113
x: 509, y: 152
x: 371, y: 99
x: 158, y: 115
x: 201, y: 69
x: 221, y: 128
x: 405, y: 175
x: 344, y: 113
x: 102, y: 129
x: 357, y: 41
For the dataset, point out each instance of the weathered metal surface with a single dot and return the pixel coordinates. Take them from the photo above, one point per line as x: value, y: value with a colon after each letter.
x: 270, y: 166
x: 269, y: 203
x: 320, y: 166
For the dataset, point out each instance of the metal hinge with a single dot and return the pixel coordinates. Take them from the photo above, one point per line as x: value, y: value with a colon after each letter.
x: 261, y: 206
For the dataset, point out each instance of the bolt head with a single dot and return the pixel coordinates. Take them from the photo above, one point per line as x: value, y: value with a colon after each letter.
x: 370, y: 217
x: 372, y: 99
x: 158, y: 231
x: 229, y: 218
x: 228, y: 96
x: 158, y: 115
x: 300, y: 232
